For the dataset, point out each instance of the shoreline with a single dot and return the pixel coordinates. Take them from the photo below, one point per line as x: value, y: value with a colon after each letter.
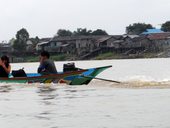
x: 103, y: 56
x: 93, y: 60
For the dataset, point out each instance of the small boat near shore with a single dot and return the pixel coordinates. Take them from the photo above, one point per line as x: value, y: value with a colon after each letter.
x: 80, y: 77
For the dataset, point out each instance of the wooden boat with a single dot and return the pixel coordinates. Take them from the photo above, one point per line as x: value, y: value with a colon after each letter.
x: 83, y: 76
x: 86, y: 76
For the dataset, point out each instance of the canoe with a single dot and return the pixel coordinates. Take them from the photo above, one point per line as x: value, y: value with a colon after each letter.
x: 83, y: 76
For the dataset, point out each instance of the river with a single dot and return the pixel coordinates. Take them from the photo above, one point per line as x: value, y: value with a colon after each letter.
x: 141, y: 101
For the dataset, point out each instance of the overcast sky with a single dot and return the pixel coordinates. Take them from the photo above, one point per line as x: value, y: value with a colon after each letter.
x: 44, y: 17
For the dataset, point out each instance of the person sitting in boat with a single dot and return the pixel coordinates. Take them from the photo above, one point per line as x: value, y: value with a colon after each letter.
x: 5, y: 66
x: 47, y: 66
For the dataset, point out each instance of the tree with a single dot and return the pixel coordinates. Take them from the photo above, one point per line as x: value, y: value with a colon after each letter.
x: 22, y: 35
x: 11, y: 41
x: 63, y: 32
x: 99, y: 32
x: 37, y: 39
x: 21, y: 40
x: 166, y: 26
x: 137, y: 28
x: 82, y: 32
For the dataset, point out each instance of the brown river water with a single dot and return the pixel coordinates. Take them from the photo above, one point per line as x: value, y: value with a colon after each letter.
x: 142, y: 100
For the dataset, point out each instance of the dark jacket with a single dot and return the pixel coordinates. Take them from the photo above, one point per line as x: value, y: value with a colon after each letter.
x: 47, y: 67
x: 3, y: 73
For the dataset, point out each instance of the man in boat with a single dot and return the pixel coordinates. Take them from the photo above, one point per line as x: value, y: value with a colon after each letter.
x: 47, y: 65
x: 5, y: 66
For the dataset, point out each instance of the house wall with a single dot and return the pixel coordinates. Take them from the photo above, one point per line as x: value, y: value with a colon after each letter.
x: 59, y: 47
x: 84, y: 46
x: 6, y: 49
x: 110, y: 43
x: 161, y: 44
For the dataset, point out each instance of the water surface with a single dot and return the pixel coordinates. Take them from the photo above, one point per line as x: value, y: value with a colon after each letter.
x: 98, y: 105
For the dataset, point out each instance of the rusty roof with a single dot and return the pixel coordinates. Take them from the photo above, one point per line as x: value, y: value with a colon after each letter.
x: 159, y: 36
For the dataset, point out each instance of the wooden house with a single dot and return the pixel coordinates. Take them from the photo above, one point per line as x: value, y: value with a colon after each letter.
x: 160, y: 41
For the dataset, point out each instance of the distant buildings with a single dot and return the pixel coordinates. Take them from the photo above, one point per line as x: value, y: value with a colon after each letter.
x: 42, y: 43
x: 78, y: 45
x: 5, y: 48
x: 153, y: 40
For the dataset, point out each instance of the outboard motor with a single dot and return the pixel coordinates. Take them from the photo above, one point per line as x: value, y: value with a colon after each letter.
x: 69, y: 67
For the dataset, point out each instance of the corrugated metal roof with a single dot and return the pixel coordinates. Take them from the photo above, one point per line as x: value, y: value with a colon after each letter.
x: 42, y: 43
x: 159, y: 36
x: 73, y: 38
x: 103, y: 39
x: 151, y: 31
x: 130, y: 36
x: 45, y: 39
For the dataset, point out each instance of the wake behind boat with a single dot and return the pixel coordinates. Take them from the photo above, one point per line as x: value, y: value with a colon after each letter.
x: 80, y: 77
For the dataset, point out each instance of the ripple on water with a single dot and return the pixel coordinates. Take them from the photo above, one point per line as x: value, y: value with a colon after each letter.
x: 135, y: 84
x: 100, y: 104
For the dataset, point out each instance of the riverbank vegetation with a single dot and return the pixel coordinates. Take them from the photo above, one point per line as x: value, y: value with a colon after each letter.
x: 102, y: 56
x: 61, y: 57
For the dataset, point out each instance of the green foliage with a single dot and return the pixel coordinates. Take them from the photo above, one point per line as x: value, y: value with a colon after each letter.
x: 31, y: 58
x: 37, y: 39
x: 166, y: 26
x: 105, y: 56
x: 59, y: 57
x: 137, y: 28
x: 82, y: 32
x: 19, y: 45
x: 53, y: 57
x: 63, y: 32
x: 22, y: 35
x: 21, y: 38
x: 11, y: 41
x: 99, y: 32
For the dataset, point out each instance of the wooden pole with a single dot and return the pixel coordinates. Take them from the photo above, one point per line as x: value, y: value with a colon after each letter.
x: 118, y: 82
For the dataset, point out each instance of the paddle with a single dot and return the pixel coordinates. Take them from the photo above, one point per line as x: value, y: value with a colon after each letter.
x: 102, y: 79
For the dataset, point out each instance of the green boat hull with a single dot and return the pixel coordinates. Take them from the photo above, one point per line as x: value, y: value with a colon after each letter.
x: 51, y: 78
x: 81, y: 77
x: 86, y: 77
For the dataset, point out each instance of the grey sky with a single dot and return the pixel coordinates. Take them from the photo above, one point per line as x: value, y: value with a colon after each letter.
x: 44, y: 17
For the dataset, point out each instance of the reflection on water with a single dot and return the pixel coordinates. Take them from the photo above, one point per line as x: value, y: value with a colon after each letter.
x: 5, y: 88
x: 47, y: 94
